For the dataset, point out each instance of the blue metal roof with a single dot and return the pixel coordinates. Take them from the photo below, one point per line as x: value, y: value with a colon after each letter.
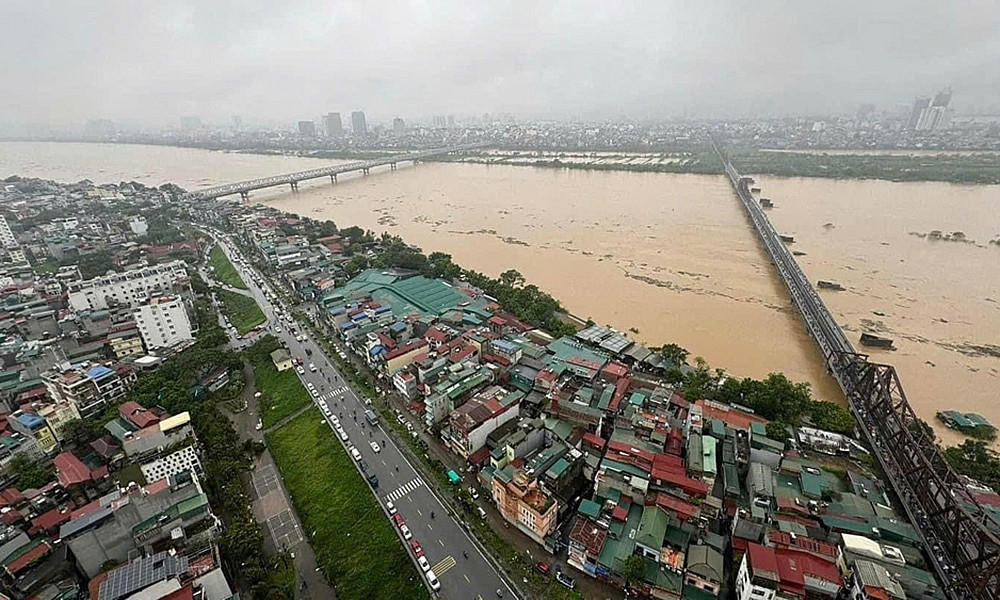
x: 382, y: 309
x: 348, y: 325
x: 31, y: 421
x: 398, y: 326
x: 99, y: 372
x: 376, y: 350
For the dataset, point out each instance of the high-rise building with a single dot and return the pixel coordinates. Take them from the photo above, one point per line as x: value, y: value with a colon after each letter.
x: 190, y: 123
x: 6, y: 235
x: 451, y: 121
x: 358, y: 123
x: 333, y: 125
x: 163, y: 322
x: 307, y: 128
x: 398, y: 126
x: 931, y: 116
x: 132, y: 287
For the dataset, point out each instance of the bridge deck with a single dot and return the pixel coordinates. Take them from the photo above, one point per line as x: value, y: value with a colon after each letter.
x: 959, y: 537
x: 243, y: 187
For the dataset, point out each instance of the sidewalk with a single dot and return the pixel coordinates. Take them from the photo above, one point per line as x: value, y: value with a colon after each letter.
x: 273, y: 508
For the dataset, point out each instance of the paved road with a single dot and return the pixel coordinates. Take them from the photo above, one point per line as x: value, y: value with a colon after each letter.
x: 444, y: 542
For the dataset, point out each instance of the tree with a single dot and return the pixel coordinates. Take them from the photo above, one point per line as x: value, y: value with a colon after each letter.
x: 357, y: 263
x: 778, y: 431
x: 31, y: 473
x: 673, y: 353
x: 634, y: 569
x: 512, y: 278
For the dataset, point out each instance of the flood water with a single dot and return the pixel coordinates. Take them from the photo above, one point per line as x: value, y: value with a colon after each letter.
x: 670, y: 255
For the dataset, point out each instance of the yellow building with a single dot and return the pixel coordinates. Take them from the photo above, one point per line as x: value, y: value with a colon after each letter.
x: 522, y: 502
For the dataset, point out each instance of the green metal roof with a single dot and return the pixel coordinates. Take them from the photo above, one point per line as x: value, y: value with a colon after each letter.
x: 589, y: 508
x: 652, y: 527
x: 708, y: 462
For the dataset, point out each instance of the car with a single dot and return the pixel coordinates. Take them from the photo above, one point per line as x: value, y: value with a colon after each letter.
x: 298, y: 359
x: 355, y: 454
x: 389, y: 506
x: 343, y: 435
x: 259, y: 425
x: 400, y: 419
x: 433, y: 581
x: 335, y: 421
x: 417, y: 550
x: 375, y: 447
x: 482, y: 513
x: 300, y: 370
x: 373, y: 480
x: 424, y: 565
x: 326, y: 411
x: 542, y: 567
x: 406, y: 532
x: 312, y: 367
x: 277, y: 330
x: 398, y: 519
x: 566, y: 580
x: 473, y: 493
x: 363, y: 465
x: 314, y: 392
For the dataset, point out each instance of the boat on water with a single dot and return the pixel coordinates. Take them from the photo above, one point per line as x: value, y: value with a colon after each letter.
x: 875, y: 341
x: 830, y: 285
x: 766, y: 203
x: 788, y: 239
x: 755, y: 190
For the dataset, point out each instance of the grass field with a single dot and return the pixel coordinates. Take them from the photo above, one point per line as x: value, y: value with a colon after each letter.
x: 355, y: 543
x: 283, y: 393
x: 223, y: 270
x: 243, y: 312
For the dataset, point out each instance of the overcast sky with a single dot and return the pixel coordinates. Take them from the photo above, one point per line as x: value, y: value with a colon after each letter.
x: 153, y: 61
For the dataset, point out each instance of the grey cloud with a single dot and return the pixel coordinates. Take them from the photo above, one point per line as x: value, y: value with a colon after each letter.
x: 63, y: 62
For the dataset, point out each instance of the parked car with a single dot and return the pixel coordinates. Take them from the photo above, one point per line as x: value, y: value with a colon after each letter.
x: 433, y: 581
x: 542, y: 567
x: 424, y: 565
x: 355, y: 453
x: 259, y: 425
x: 566, y: 580
x: 473, y: 493
x: 417, y: 550
x: 406, y: 532
x: 398, y: 518
x: 300, y: 370
x: 482, y: 513
x: 389, y: 506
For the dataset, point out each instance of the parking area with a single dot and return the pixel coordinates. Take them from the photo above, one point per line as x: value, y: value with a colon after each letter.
x: 284, y: 530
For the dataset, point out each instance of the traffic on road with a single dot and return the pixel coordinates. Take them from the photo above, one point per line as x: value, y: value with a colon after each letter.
x: 451, y: 563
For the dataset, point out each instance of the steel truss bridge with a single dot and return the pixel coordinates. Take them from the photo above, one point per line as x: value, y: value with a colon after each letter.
x: 960, y: 539
x: 243, y: 188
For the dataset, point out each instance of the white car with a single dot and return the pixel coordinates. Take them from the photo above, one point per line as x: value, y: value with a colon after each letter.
x: 433, y: 581
x: 375, y: 447
x: 277, y: 330
x: 312, y: 367
x: 355, y: 453
x: 389, y: 506
x: 406, y: 532
x: 424, y: 565
x: 335, y: 421
x: 314, y: 392
x: 259, y: 425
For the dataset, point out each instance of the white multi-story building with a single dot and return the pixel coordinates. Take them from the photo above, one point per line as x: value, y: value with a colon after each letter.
x: 185, y: 459
x: 6, y: 235
x: 163, y: 322
x: 129, y: 288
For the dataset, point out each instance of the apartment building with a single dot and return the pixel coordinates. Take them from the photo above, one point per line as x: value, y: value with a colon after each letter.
x: 130, y: 288
x: 89, y: 387
x: 522, y: 502
x: 163, y: 322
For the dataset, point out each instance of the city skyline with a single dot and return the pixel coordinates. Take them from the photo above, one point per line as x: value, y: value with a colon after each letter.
x: 645, y: 61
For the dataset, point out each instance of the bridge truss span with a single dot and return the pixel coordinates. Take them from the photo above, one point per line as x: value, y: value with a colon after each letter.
x: 961, y: 540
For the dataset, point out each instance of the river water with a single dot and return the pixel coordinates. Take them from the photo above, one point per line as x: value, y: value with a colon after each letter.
x: 670, y: 255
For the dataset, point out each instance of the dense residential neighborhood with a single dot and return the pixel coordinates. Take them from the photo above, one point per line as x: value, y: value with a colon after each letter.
x: 609, y: 467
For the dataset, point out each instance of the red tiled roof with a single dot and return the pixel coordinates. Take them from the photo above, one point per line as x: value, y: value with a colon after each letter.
x: 409, y: 346
x: 589, y: 534
x: 781, y: 539
x: 736, y: 419
x: 50, y: 520
x: 680, y: 480
x: 436, y: 334
x: 683, y: 510
x: 28, y: 558
x: 593, y: 440
x: 11, y: 496
x: 479, y: 457
x: 794, y: 566
x: 70, y: 470
x: 615, y: 369
x: 762, y: 559
x: 621, y: 387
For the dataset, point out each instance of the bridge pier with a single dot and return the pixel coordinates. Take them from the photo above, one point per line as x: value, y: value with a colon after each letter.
x: 245, y: 197
x: 365, y: 170
x: 295, y: 186
x: 392, y: 166
x: 333, y: 178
